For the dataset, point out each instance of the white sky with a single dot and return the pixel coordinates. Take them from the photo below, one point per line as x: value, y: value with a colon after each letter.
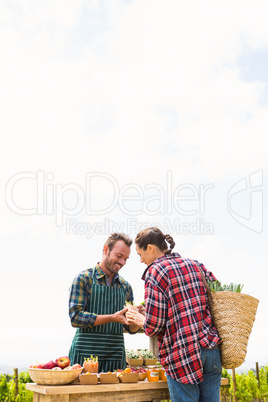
x: 112, y: 113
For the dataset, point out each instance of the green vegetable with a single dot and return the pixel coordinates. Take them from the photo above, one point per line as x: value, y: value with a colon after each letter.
x: 147, y: 354
x: 217, y: 287
x: 91, y: 358
x: 132, y: 354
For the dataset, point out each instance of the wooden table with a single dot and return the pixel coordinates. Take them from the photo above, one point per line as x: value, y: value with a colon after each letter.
x: 141, y: 391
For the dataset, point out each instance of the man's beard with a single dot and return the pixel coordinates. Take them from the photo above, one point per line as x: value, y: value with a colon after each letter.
x: 110, y: 265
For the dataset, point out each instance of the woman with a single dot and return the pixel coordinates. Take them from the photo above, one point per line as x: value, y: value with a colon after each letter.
x: 177, y: 312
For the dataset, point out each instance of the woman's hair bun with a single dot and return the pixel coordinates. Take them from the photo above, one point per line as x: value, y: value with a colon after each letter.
x: 171, y: 242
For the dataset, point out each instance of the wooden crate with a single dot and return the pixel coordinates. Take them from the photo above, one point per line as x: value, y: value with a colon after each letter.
x: 89, y: 379
x: 128, y: 377
x: 134, y: 362
x: 107, y: 378
x: 148, y: 362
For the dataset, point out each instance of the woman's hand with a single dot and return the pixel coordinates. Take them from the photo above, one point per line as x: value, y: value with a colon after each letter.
x: 135, y: 318
x: 141, y: 309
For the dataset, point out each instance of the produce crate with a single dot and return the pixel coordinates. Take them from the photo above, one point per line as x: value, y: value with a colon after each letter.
x: 107, y: 378
x: 128, y: 377
x: 148, y: 362
x: 89, y: 379
x: 132, y: 361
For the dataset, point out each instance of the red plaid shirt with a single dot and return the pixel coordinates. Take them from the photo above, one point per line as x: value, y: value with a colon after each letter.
x: 177, y: 312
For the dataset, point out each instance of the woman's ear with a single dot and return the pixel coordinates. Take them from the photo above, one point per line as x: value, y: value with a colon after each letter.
x: 150, y: 248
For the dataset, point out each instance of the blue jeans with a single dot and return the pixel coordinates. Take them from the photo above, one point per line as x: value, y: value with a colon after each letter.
x: 206, y: 391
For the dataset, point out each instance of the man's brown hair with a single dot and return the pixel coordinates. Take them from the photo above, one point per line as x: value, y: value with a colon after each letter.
x: 114, y: 237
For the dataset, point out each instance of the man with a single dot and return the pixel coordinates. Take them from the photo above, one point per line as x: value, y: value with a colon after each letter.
x: 96, y: 308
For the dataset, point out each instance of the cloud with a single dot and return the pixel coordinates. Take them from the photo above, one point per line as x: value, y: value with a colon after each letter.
x: 165, y: 78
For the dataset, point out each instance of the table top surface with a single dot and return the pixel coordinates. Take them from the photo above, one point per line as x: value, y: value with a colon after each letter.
x: 77, y: 388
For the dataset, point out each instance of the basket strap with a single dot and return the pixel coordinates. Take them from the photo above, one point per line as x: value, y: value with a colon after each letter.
x: 205, y: 283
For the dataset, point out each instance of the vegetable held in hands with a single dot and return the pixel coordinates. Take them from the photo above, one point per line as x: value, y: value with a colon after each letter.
x: 131, y: 306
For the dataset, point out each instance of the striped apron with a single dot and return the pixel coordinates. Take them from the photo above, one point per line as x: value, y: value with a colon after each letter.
x: 105, y: 341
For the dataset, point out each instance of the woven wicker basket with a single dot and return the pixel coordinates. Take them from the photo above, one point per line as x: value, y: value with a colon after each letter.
x: 53, y: 377
x: 233, y: 315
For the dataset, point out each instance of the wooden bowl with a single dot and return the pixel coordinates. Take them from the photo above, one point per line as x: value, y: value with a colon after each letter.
x: 54, y: 377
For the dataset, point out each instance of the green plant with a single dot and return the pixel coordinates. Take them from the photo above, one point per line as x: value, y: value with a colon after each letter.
x: 132, y: 354
x: 216, y: 286
x: 24, y: 377
x: 3, y: 389
x: 7, y: 388
x: 246, y: 387
x: 147, y: 354
x: 263, y: 381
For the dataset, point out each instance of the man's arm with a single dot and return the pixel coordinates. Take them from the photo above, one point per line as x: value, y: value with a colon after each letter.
x: 79, y: 297
x: 131, y: 328
x: 119, y: 316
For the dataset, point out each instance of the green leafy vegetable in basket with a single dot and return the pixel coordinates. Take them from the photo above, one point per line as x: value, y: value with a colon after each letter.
x: 132, y: 354
x: 147, y: 354
x: 217, y: 287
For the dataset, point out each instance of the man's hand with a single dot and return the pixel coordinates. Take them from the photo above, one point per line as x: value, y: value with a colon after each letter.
x: 119, y: 316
